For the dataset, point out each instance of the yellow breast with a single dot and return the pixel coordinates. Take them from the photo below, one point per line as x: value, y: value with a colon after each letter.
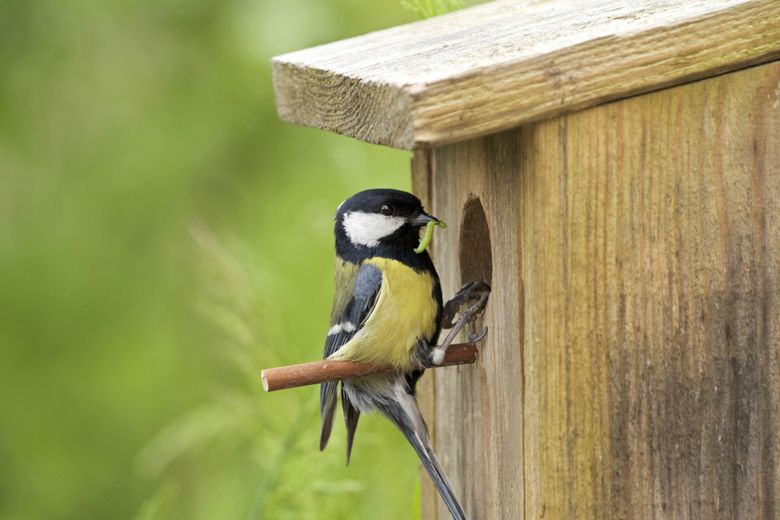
x: 405, y: 311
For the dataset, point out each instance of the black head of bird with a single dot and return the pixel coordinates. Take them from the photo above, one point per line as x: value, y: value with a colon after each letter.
x: 380, y: 222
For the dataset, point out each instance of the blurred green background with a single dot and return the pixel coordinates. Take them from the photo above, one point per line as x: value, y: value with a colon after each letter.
x: 163, y: 236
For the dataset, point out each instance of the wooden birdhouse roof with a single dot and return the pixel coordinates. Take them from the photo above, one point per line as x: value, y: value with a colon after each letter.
x: 502, y: 64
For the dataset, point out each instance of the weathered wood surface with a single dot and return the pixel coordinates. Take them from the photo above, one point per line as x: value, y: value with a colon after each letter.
x: 478, y: 422
x: 632, y: 369
x: 426, y: 387
x: 506, y: 63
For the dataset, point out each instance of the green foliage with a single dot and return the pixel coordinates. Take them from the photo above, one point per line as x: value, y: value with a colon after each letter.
x: 250, y: 437
x: 130, y: 338
x: 429, y: 8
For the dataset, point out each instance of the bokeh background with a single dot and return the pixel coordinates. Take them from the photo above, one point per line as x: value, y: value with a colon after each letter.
x: 163, y: 236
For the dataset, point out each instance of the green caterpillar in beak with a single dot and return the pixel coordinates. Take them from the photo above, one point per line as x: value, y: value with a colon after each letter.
x: 425, y: 241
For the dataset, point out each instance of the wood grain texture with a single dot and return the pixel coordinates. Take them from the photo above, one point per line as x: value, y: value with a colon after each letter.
x: 426, y: 393
x: 632, y: 369
x: 507, y: 63
x: 479, y: 419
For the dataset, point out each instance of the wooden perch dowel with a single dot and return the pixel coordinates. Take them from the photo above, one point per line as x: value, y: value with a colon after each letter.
x: 322, y: 371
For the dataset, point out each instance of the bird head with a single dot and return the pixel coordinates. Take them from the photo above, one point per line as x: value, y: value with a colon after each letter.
x: 380, y: 218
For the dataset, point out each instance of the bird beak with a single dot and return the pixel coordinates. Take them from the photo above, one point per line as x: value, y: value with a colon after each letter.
x: 423, y: 219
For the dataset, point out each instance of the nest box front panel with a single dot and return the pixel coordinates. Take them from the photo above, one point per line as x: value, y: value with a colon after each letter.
x: 631, y: 368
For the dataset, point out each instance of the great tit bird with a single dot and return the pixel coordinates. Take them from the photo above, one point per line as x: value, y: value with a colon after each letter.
x: 386, y: 310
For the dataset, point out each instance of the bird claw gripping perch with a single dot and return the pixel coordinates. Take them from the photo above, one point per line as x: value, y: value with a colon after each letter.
x: 469, y: 302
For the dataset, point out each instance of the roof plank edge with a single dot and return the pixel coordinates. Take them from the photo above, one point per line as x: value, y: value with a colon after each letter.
x: 504, y: 64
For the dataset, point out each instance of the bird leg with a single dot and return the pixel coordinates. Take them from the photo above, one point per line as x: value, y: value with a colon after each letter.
x: 473, y: 293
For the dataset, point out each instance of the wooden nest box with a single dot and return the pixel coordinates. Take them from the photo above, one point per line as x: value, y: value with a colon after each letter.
x: 612, y: 169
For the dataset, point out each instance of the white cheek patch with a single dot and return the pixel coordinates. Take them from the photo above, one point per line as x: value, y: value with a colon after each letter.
x: 366, y: 229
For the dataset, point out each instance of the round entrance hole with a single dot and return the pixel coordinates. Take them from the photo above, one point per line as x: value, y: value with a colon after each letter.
x: 476, y: 258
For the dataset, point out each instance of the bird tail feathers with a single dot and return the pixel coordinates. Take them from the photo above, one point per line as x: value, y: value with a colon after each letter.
x: 408, y: 419
x: 351, y: 416
x: 327, y: 409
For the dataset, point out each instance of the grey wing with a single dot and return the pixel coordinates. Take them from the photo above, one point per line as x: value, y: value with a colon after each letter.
x: 345, y: 325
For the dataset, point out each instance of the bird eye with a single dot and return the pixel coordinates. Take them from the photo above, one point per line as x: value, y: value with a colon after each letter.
x: 387, y: 209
